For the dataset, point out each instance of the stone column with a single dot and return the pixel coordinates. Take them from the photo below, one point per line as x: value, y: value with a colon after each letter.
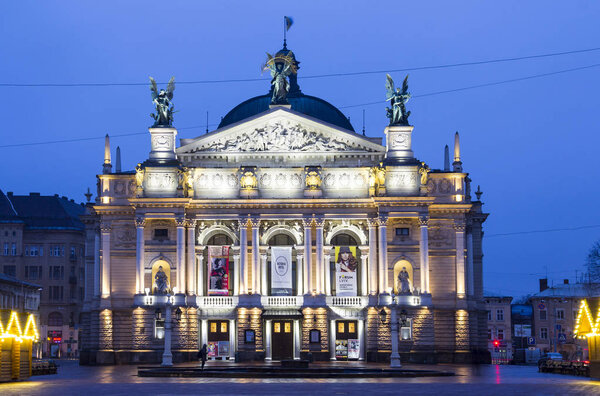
x: 299, y: 275
x: 268, y: 355
x: 191, y: 257
x: 236, y: 275
x: 424, y: 253
x: 361, y: 339
x: 256, y: 289
x: 263, y: 273
x: 373, y: 283
x: 383, y: 264
x: 203, y: 332
x: 180, y: 221
x: 105, y: 231
x: 97, y: 272
x: 363, y: 273
x: 139, y: 254
x: 319, y: 271
x: 470, y: 265
x: 327, y: 272
x: 232, y: 339
x: 308, y: 275
x: 200, y: 272
x: 459, y: 227
x: 296, y: 339
x: 244, y: 286
x: 332, y: 339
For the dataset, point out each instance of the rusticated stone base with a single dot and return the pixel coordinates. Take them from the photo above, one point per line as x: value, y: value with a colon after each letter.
x: 92, y: 358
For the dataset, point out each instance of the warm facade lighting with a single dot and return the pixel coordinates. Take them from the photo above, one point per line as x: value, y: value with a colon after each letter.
x: 14, y: 329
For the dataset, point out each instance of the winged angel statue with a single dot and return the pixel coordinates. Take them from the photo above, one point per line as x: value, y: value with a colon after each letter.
x: 281, y: 66
x: 398, y: 97
x: 163, y: 102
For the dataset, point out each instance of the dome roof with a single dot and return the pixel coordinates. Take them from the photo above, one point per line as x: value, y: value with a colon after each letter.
x: 305, y: 104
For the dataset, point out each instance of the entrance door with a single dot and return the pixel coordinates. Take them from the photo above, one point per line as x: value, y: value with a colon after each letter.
x: 282, y: 340
x: 345, y: 339
x: 218, y: 339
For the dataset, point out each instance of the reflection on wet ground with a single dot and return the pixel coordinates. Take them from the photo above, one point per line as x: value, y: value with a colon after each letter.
x: 73, y: 379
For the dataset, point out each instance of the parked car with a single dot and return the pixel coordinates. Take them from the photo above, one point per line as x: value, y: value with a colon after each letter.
x: 550, y: 356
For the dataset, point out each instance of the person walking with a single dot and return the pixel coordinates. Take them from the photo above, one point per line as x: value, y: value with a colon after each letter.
x: 202, y: 354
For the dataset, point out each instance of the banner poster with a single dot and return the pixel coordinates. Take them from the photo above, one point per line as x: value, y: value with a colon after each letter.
x: 346, y: 267
x: 341, y: 349
x: 218, y: 270
x: 353, y: 349
x: 281, y: 270
x: 223, y: 348
x: 212, y: 349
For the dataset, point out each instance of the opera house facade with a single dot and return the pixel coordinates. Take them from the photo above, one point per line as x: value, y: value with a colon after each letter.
x: 283, y: 234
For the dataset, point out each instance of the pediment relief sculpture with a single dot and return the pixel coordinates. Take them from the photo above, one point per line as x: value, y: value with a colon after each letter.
x: 280, y: 136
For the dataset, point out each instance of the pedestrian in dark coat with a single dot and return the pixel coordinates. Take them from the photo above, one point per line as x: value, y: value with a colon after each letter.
x: 202, y: 355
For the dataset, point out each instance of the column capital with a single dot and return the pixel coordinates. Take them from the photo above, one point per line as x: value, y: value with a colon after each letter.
x: 319, y: 222
x: 423, y: 220
x: 236, y: 257
x: 105, y: 226
x: 180, y: 221
x: 191, y: 223
x: 243, y: 222
x: 382, y: 220
x: 307, y: 221
x: 372, y: 222
x: 263, y: 256
x: 254, y: 222
x: 140, y: 221
x: 459, y: 225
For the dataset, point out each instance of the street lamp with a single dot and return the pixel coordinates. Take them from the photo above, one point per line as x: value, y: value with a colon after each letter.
x: 167, y: 358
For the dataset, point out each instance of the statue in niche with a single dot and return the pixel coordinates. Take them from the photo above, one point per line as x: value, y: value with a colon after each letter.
x: 281, y: 66
x: 398, y: 98
x: 163, y: 102
x: 161, y: 281
x: 403, y: 285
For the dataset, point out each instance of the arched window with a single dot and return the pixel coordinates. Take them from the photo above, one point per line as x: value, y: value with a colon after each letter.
x: 343, y: 240
x: 55, y: 319
x: 281, y: 240
x: 220, y: 240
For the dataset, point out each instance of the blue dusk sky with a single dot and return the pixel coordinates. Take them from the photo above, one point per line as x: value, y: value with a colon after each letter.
x: 531, y: 144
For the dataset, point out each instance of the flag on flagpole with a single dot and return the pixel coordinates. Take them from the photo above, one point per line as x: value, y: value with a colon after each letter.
x: 288, y: 22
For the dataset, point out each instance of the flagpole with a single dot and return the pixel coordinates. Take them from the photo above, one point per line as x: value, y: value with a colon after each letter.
x: 284, y: 33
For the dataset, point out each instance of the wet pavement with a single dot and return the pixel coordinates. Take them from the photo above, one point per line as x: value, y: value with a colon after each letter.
x: 73, y: 379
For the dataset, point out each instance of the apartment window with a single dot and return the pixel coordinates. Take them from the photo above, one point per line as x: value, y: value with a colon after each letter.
x: 33, y: 251
x: 402, y: 231
x: 544, y: 333
x: 543, y: 314
x: 489, y: 334
x: 560, y: 314
x: 500, y: 334
x: 499, y: 314
x: 33, y: 272
x: 489, y: 315
x: 72, y: 254
x: 6, y: 249
x: 56, y: 293
x: 10, y: 270
x: 57, y: 272
x: 159, y: 329
x: 13, y: 249
x: 57, y: 250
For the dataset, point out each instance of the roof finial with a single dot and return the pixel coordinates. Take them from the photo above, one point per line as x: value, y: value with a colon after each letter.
x: 88, y: 195
x: 457, y: 164
x: 106, y: 167
x: 118, y: 168
x: 446, y: 159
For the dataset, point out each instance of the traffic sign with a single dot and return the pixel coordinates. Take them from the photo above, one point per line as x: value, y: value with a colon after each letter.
x: 530, y: 340
x: 562, y: 338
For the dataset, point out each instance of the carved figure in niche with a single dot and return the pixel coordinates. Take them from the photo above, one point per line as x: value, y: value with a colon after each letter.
x: 161, y: 281
x: 346, y: 261
x: 403, y: 285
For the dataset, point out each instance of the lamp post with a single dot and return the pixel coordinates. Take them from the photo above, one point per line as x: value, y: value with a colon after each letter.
x: 167, y: 358
x: 395, y: 357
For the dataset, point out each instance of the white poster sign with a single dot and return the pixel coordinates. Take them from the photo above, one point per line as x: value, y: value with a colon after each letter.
x: 353, y: 349
x: 281, y: 270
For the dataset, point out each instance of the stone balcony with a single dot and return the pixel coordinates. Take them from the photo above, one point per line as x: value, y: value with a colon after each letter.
x: 148, y: 300
x: 347, y: 301
x: 217, y: 301
x: 282, y: 301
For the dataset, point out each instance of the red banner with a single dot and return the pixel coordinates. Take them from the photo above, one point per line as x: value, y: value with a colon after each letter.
x: 218, y: 270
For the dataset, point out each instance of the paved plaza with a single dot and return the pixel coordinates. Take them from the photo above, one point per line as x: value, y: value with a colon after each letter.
x: 73, y: 379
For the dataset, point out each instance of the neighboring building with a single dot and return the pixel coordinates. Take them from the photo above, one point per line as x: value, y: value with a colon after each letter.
x: 554, y: 314
x: 499, y: 332
x: 42, y: 241
x: 523, y: 334
x: 282, y: 233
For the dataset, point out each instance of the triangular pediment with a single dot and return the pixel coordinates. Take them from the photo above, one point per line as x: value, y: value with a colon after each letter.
x: 280, y: 130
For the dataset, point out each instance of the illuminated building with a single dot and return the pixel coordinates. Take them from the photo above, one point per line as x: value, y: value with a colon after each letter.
x: 499, y: 334
x: 295, y: 179
x: 42, y: 242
